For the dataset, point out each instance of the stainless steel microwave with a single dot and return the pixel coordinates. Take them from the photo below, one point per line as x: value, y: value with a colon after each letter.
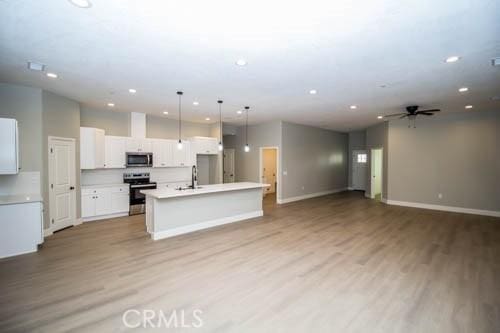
x: 135, y: 160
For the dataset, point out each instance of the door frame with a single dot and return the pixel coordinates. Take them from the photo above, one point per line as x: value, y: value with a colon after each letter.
x: 50, y: 229
x: 278, y: 169
x: 354, y: 152
x: 372, y: 195
x: 234, y: 164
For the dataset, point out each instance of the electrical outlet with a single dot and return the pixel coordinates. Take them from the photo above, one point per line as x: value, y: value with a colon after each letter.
x: 285, y: 173
x: 440, y: 195
x: 303, y: 188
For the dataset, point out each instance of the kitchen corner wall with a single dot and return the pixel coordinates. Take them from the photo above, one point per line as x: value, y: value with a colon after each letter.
x: 313, y: 158
x: 357, y: 141
x: 60, y: 118
x: 377, y: 136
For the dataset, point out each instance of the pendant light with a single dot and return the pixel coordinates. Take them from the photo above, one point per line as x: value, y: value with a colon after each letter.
x: 179, y: 143
x: 247, y: 147
x: 220, y: 125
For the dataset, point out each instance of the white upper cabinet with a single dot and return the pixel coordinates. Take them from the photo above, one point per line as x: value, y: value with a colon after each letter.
x: 139, y: 145
x: 163, y: 153
x: 204, y: 145
x: 91, y: 148
x: 9, y: 147
x: 182, y: 157
x: 115, y: 147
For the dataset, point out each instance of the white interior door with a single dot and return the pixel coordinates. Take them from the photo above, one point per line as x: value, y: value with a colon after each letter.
x: 269, y: 169
x: 62, y: 175
x: 228, y: 165
x: 376, y: 172
x: 359, y: 161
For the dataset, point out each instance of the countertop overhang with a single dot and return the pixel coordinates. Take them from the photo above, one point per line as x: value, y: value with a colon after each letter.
x: 204, y: 189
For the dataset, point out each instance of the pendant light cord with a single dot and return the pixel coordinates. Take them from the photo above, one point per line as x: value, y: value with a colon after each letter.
x: 246, y: 126
x: 220, y: 121
x: 180, y: 114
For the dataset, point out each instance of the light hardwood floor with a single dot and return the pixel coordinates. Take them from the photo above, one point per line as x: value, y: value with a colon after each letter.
x: 339, y: 263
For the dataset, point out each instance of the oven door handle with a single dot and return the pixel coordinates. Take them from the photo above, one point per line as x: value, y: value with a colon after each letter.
x: 142, y: 186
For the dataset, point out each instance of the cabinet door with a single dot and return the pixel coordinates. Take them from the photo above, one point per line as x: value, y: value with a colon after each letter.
x: 8, y: 146
x: 88, y: 205
x: 182, y: 157
x: 103, y: 202
x: 133, y: 145
x: 115, y: 152
x: 158, y: 153
x: 119, y: 202
x: 146, y: 145
x: 99, y: 149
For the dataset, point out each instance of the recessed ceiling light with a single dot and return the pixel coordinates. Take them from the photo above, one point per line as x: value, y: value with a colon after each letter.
x: 196, y: 103
x: 239, y: 112
x: 165, y: 112
x: 241, y: 62
x: 207, y: 119
x: 313, y: 92
x: 452, y: 59
x: 52, y: 75
x: 468, y: 106
x: 353, y: 107
x: 132, y: 91
x: 34, y: 66
x: 380, y: 117
x: 111, y: 105
x: 81, y: 3
x: 463, y: 89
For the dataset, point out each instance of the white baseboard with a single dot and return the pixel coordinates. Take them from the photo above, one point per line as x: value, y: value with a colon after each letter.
x: 47, y: 232
x: 311, y: 195
x: 204, y: 225
x: 350, y: 188
x: 103, y: 217
x: 445, y: 208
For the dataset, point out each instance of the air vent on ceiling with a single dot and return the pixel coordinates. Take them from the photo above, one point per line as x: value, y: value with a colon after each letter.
x: 34, y: 66
x: 495, y: 61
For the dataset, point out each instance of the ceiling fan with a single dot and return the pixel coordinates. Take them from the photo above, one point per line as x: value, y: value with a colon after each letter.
x: 412, y: 113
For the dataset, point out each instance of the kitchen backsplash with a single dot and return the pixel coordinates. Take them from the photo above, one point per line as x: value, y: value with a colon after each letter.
x: 115, y: 176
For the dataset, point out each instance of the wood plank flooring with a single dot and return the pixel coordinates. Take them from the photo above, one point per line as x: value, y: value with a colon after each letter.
x: 339, y: 263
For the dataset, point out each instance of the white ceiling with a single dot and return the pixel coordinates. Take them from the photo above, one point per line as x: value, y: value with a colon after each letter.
x: 344, y: 49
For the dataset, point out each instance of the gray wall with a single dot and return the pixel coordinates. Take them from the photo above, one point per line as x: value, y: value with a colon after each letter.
x: 262, y: 135
x: 377, y: 137
x: 455, y: 154
x: 61, y: 118
x: 357, y: 141
x: 165, y: 128
x: 113, y: 122
x: 315, y: 160
x: 25, y: 105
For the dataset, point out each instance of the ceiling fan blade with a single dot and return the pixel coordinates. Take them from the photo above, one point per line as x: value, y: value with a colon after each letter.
x: 403, y: 116
x: 431, y: 110
x: 425, y: 113
x: 395, y: 115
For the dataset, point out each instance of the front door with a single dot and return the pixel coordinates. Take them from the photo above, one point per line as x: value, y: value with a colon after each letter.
x: 228, y: 165
x: 62, y: 175
x: 359, y: 161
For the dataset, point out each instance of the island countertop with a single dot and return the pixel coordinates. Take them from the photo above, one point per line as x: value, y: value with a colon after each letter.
x: 203, y: 189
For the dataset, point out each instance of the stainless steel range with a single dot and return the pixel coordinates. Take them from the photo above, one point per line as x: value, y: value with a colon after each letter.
x: 138, y: 182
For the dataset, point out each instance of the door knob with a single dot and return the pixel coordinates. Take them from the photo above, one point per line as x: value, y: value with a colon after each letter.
x: 71, y: 187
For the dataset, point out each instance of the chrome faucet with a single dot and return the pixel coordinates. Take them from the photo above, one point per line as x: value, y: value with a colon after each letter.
x: 194, y: 177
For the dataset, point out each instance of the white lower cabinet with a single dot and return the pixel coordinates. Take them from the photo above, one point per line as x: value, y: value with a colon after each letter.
x: 103, y: 202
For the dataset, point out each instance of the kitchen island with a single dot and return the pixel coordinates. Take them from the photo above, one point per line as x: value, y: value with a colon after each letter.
x: 172, y: 212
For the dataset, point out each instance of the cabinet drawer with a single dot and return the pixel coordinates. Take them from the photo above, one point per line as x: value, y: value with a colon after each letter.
x: 88, y: 191
x: 120, y: 189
